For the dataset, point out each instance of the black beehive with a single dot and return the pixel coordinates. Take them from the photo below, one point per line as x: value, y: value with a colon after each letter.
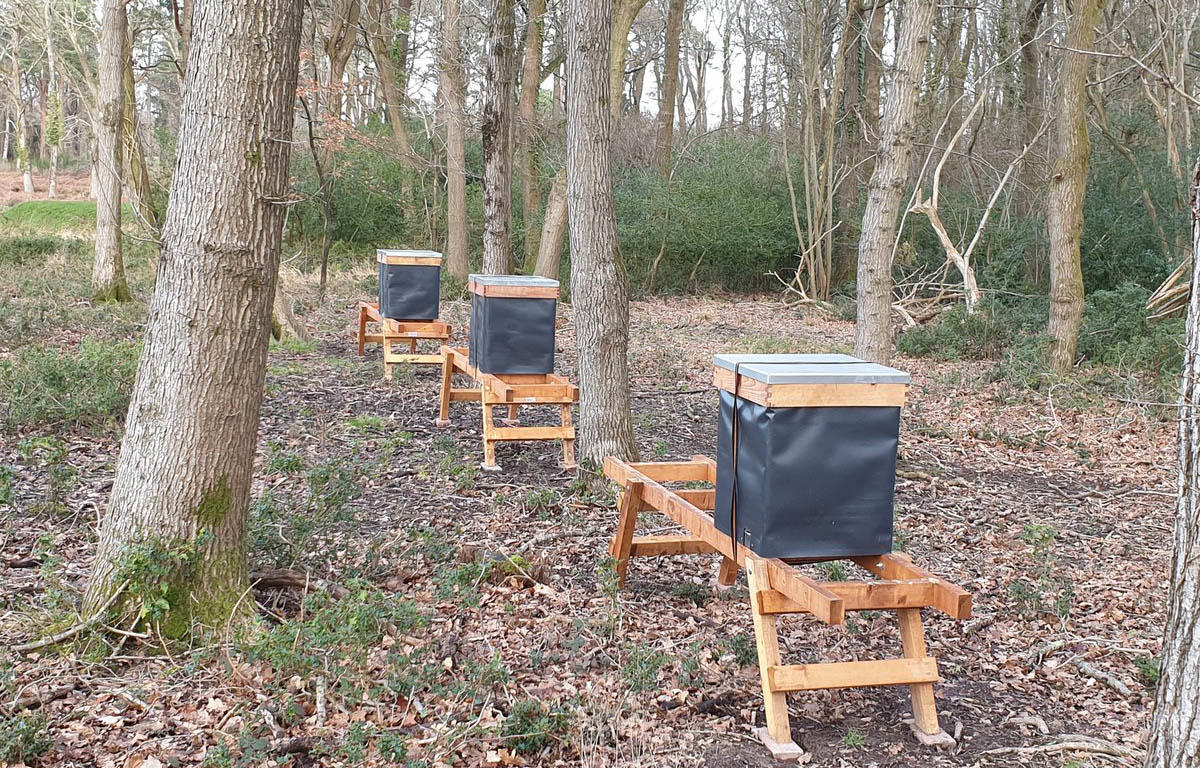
x: 409, y: 284
x: 512, y: 323
x: 806, y: 453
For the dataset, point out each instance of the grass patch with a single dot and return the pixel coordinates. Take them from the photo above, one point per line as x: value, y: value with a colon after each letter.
x: 24, y: 738
x: 21, y: 250
x: 530, y: 727
x: 53, y: 216
x: 87, y: 387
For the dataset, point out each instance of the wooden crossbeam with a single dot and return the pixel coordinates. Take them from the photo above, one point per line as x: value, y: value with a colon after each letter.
x: 660, y: 546
x: 948, y: 598
x: 852, y: 674
x: 859, y: 596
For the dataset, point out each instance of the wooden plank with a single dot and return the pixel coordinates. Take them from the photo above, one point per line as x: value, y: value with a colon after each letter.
x: 853, y: 674
x: 766, y: 640
x: 464, y: 394
x: 673, y: 471
x: 727, y: 572
x: 622, y: 543
x: 406, y: 357
x: 859, y: 596
x: 530, y: 433
x: 950, y: 599
x: 912, y: 635
x: 702, y: 498
x: 816, y: 599
x: 812, y: 395
x: 664, y: 546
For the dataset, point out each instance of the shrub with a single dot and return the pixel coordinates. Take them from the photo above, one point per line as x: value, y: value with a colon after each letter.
x: 529, y: 727
x: 89, y: 386
x: 1115, y: 332
x: 31, y: 249
x: 24, y: 738
x: 985, y: 335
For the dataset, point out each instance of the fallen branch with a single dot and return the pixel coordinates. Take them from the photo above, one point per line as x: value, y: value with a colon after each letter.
x: 284, y: 578
x: 35, y: 700
x: 1098, y: 674
x: 1071, y: 742
x: 67, y: 634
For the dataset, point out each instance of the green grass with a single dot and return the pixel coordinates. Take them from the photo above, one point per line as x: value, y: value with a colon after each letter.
x: 51, y: 216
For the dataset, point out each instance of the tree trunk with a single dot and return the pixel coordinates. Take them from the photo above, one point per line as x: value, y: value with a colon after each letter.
x: 599, y: 287
x: 554, y: 228
x: 23, y: 159
x: 528, y: 158
x: 108, y: 270
x: 183, y: 477
x: 555, y: 220
x: 139, y: 174
x: 666, y: 108
x: 392, y: 73
x: 55, y: 122
x: 1068, y: 180
x: 457, y: 226
x: 1032, y: 171
x: 497, y: 140
x: 873, y: 339
x: 1174, y: 739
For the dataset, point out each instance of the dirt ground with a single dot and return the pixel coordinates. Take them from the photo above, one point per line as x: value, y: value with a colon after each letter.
x: 72, y: 185
x: 1052, y: 508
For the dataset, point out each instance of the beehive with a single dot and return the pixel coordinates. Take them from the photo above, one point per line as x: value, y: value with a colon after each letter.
x: 409, y: 284
x: 806, y: 468
x: 512, y: 323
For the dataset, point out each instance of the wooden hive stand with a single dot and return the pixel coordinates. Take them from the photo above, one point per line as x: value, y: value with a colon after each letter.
x: 512, y: 390
x: 778, y: 588
x: 389, y: 333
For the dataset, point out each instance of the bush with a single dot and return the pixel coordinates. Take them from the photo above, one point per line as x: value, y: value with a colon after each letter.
x: 88, y: 387
x: 1115, y: 332
x: 19, y: 250
x: 985, y: 335
x: 529, y: 728
x: 24, y: 738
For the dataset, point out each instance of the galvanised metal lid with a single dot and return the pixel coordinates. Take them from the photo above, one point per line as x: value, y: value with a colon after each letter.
x: 402, y: 256
x: 522, y: 280
x: 811, y: 369
x: 810, y: 380
x: 513, y: 286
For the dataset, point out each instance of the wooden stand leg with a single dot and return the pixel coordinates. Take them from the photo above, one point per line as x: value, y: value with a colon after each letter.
x: 568, y: 442
x: 622, y: 543
x: 362, y: 331
x: 412, y: 346
x: 443, y: 419
x: 925, y: 716
x: 489, y: 443
x: 777, y: 736
x: 727, y: 574
x: 387, y: 365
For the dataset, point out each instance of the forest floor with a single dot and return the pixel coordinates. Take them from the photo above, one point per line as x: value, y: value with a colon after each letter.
x: 1053, y: 508
x: 72, y: 185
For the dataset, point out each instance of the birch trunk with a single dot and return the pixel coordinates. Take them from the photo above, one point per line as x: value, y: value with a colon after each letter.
x: 497, y: 140
x: 1174, y: 737
x: 55, y: 122
x: 528, y: 158
x: 599, y: 287
x: 23, y: 159
x: 183, y: 477
x: 1068, y: 180
x: 554, y: 228
x: 108, y: 270
x: 457, y: 232
x: 666, y: 108
x: 873, y: 340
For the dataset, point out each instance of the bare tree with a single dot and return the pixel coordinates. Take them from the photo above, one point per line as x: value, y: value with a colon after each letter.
x: 599, y: 287
x: 873, y: 339
x: 497, y: 139
x: 452, y: 90
x: 183, y: 478
x: 528, y: 158
x: 670, y: 84
x: 1174, y: 739
x: 1068, y: 180
x: 108, y: 270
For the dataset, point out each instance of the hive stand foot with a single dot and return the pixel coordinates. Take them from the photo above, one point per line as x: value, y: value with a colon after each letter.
x: 727, y: 572
x: 491, y: 467
x: 941, y: 739
x: 789, y: 750
x: 441, y: 422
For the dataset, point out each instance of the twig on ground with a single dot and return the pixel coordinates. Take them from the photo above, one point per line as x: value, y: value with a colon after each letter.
x: 1071, y: 742
x: 67, y: 634
x: 1100, y: 675
x: 35, y: 700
